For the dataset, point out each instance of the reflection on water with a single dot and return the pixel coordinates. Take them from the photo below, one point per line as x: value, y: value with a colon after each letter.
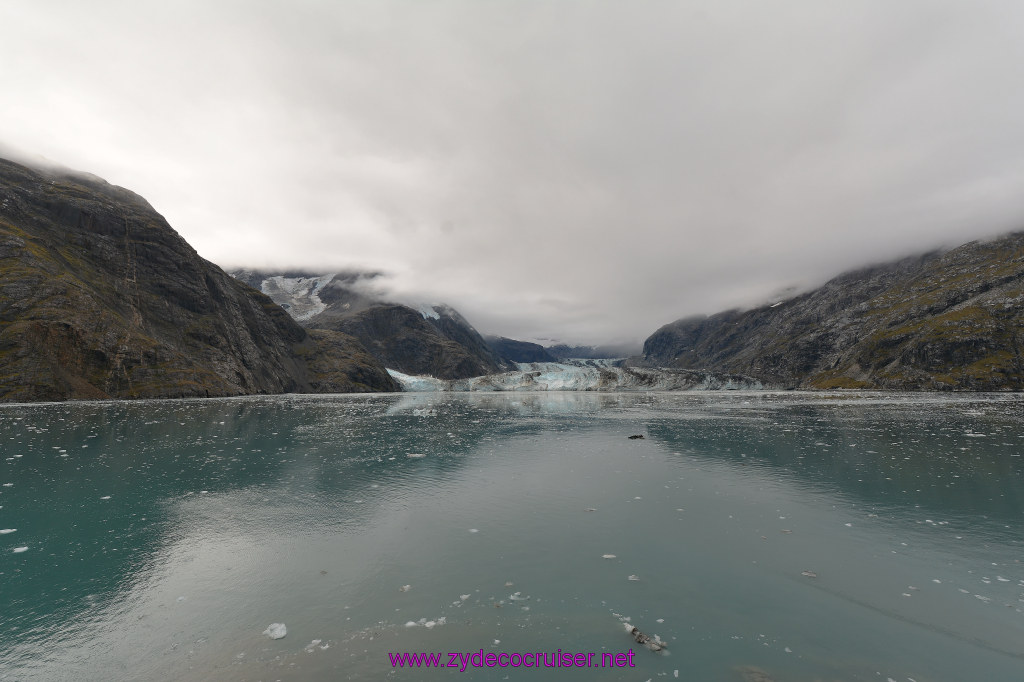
x: 164, y: 537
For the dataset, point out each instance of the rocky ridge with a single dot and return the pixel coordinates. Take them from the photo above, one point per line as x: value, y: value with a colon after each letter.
x: 101, y: 298
x: 945, y: 320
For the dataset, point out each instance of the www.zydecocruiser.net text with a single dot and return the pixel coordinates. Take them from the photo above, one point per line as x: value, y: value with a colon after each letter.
x: 462, y: 660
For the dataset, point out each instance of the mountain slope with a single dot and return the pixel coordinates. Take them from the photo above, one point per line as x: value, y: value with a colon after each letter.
x: 431, y: 339
x: 518, y: 351
x: 940, y: 321
x: 100, y: 298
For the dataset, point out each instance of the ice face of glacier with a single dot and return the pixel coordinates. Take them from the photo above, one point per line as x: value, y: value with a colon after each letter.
x: 582, y: 375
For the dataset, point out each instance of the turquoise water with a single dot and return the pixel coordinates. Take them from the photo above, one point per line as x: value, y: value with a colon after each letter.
x: 163, y: 538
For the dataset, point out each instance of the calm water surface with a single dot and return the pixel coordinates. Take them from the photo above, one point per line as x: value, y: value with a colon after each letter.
x: 158, y: 540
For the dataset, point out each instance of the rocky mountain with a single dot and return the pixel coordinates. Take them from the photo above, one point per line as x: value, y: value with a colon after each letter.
x: 100, y: 298
x: 945, y: 320
x: 518, y: 351
x: 562, y: 351
x: 430, y: 340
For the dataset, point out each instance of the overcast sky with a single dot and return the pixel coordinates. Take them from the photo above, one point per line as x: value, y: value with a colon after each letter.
x: 579, y: 170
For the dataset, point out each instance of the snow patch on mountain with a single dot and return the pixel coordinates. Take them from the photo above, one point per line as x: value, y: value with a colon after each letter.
x: 427, y: 310
x: 298, y: 295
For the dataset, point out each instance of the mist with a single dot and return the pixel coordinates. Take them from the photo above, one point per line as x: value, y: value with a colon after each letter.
x: 576, y: 171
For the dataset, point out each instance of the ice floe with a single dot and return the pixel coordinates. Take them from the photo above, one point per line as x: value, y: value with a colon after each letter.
x: 276, y: 631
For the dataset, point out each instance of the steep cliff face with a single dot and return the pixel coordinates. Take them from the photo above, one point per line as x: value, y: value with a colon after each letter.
x: 100, y: 298
x: 941, y: 321
x: 429, y: 339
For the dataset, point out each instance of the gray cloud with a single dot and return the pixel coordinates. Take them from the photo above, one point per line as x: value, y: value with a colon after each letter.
x: 579, y: 170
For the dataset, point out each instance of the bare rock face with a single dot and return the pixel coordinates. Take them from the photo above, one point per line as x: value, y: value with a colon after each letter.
x: 941, y: 321
x: 100, y: 298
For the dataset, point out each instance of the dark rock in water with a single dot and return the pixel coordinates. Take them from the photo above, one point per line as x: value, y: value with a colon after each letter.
x: 636, y: 436
x: 940, y: 321
x: 652, y: 643
x: 751, y: 674
x: 519, y: 351
x: 100, y: 298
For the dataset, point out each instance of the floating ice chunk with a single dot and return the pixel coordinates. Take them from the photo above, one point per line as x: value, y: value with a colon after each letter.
x: 788, y: 650
x: 463, y: 597
x: 633, y: 577
x: 429, y: 624
x: 607, y: 556
x: 8, y: 485
x: 5, y: 531
x: 105, y: 497
x: 405, y: 588
x: 497, y: 641
x: 411, y: 624
x: 180, y: 599
x: 809, y: 574
x: 276, y: 631
x: 473, y: 530
x: 675, y: 673
x: 19, y: 550
x: 312, y: 645
x: 660, y: 620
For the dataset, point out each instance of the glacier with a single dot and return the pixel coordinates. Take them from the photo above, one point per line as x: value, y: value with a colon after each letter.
x: 299, y: 295
x: 582, y: 375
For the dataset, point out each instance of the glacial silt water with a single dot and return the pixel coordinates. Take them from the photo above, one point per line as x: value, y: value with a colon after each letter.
x: 782, y: 535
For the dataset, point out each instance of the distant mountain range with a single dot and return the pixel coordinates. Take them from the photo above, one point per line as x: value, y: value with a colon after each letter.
x: 945, y: 320
x: 429, y: 339
x: 100, y: 298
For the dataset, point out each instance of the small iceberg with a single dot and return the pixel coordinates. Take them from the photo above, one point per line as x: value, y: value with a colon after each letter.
x: 416, y: 455
x: 276, y: 631
x: 5, y: 531
x: 19, y: 550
